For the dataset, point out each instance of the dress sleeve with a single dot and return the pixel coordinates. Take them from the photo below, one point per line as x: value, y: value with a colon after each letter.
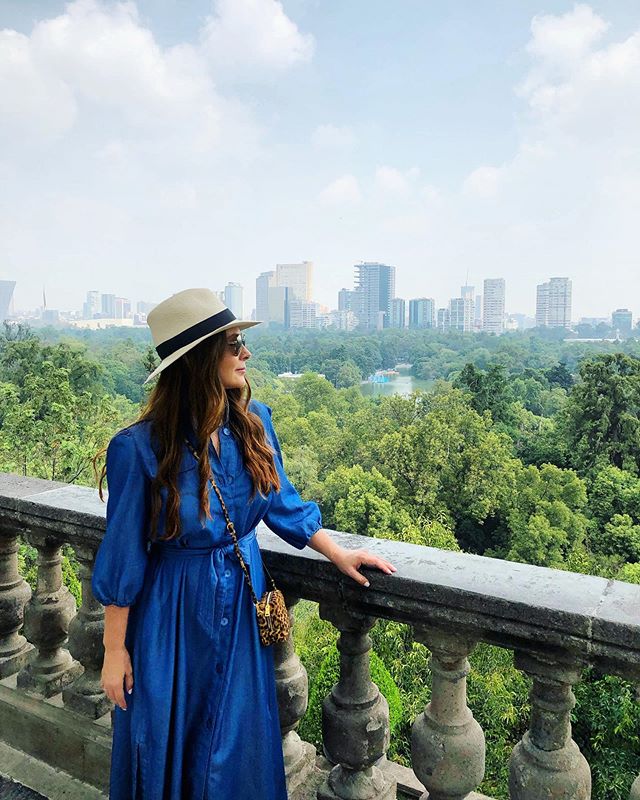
x: 118, y: 573
x: 289, y: 516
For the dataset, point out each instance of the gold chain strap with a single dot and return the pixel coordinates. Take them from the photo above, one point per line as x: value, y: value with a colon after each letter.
x: 231, y: 529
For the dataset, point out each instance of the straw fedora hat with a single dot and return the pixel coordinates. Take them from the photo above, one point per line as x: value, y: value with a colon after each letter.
x: 184, y: 320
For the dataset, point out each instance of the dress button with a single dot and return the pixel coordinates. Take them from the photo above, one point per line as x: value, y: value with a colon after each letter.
x: 225, y: 431
x: 227, y: 572
x: 224, y: 621
x: 219, y: 669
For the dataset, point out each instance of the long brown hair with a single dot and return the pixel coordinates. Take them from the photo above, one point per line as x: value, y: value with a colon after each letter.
x: 189, y: 398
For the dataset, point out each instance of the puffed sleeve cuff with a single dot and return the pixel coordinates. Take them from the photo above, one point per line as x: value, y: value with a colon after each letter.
x: 289, y: 516
x: 120, y: 565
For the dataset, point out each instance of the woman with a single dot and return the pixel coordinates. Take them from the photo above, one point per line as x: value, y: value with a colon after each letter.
x: 196, y: 714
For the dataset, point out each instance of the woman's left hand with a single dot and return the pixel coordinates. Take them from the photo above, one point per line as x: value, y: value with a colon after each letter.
x: 348, y: 561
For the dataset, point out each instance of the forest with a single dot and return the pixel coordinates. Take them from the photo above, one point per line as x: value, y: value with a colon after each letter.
x: 527, y: 448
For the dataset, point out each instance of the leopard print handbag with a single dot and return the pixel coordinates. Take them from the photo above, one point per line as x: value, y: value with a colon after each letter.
x: 274, y: 623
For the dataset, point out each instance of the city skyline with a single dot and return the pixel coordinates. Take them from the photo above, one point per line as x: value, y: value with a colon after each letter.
x: 371, y: 304
x: 465, y: 141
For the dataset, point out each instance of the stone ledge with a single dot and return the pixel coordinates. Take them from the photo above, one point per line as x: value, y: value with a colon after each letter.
x: 518, y: 606
x: 55, y: 736
x: 32, y: 779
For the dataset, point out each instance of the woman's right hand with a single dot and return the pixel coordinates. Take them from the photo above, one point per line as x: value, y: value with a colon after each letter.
x: 117, y: 675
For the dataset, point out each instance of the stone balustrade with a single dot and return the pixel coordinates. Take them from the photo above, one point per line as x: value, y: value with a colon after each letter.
x: 556, y: 623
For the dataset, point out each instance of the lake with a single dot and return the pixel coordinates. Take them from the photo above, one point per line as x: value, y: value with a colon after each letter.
x: 403, y: 384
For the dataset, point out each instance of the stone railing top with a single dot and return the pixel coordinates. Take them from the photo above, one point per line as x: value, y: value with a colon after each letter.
x: 561, y: 614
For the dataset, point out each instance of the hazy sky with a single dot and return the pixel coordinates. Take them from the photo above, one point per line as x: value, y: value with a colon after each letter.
x: 150, y: 146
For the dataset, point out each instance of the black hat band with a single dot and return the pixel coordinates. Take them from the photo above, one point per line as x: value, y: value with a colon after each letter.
x: 195, y: 332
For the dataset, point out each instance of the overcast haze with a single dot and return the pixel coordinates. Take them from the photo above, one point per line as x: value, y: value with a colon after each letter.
x: 148, y: 147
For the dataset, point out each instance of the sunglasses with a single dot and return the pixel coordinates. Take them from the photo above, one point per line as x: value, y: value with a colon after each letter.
x: 237, y: 343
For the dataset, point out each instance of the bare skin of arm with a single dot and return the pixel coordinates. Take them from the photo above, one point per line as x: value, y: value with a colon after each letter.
x: 117, y: 674
x: 348, y: 561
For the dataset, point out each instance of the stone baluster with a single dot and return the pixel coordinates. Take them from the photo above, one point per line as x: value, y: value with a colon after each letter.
x: 447, y: 743
x: 46, y: 624
x: 292, y: 687
x: 85, y: 644
x: 547, y: 762
x: 635, y: 790
x: 15, y: 592
x: 355, y: 717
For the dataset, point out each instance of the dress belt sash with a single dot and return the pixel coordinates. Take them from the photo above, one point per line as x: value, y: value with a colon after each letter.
x: 169, y: 551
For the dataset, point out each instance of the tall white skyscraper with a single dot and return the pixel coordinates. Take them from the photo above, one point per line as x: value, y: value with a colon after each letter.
x: 553, y: 303
x: 91, y: 305
x: 493, y: 306
x: 298, y: 278
x: 443, y: 319
x: 467, y: 293
x: 559, y: 303
x: 264, y: 282
x: 233, y: 299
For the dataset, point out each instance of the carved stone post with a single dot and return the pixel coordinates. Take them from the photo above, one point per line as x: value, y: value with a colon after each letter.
x: 635, y: 790
x: 447, y: 744
x: 46, y: 624
x: 547, y: 763
x: 355, y: 717
x: 85, y: 644
x: 15, y: 592
x: 292, y: 687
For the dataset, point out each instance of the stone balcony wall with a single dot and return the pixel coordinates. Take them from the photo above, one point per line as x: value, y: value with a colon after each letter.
x: 556, y: 623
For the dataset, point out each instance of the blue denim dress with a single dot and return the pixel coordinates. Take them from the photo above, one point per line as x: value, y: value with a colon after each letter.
x: 202, y: 720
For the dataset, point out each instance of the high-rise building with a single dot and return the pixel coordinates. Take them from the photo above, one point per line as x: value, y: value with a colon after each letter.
x: 91, y: 305
x: 478, y: 312
x: 6, y: 293
x: 467, y: 293
x: 377, y: 283
x: 279, y: 305
x: 122, y: 308
x: 553, y: 303
x: 559, y: 303
x: 298, y: 278
x: 542, y: 305
x: 458, y: 314
x: 443, y: 320
x: 398, y: 313
x: 493, y: 306
x: 622, y: 322
x: 264, y: 282
x: 422, y: 312
x: 108, y: 306
x: 301, y: 314
x: 349, y: 300
x: 233, y: 299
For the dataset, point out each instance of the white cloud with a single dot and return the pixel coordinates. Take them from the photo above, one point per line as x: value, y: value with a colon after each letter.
x: 343, y: 191
x: 98, y: 64
x: 248, y: 39
x: 483, y: 182
x: 333, y: 137
x: 35, y: 102
x: 395, y: 182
